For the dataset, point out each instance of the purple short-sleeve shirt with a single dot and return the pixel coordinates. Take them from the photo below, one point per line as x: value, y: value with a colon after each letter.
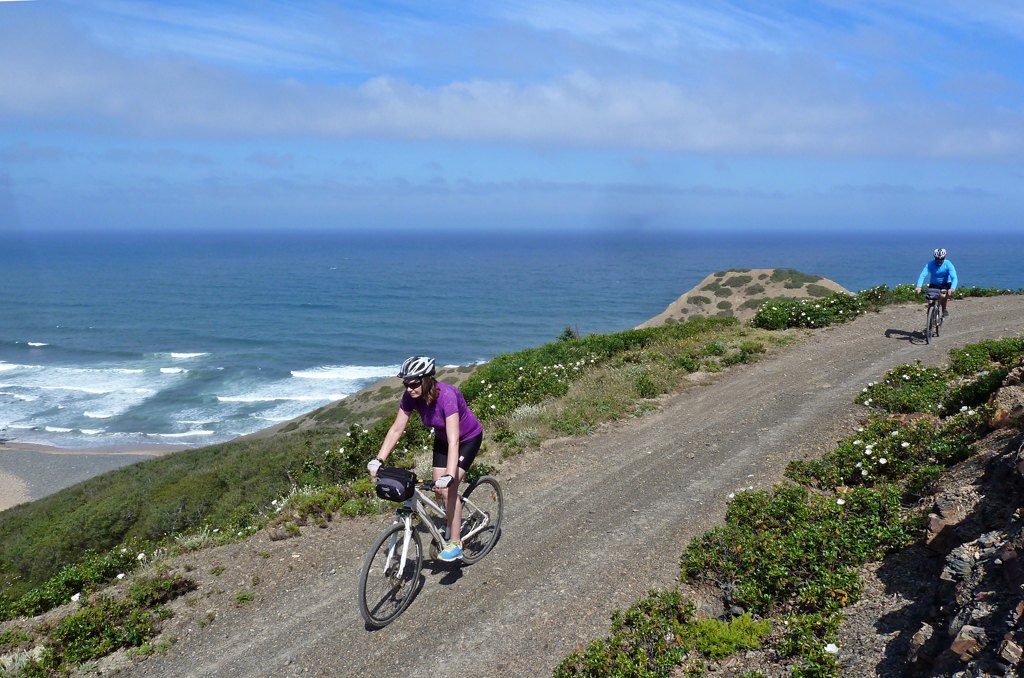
x: 449, y: 401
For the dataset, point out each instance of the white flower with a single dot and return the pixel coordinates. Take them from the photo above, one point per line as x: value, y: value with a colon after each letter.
x: 906, y: 377
x: 864, y: 472
x: 840, y: 501
x: 120, y: 576
x: 858, y: 464
x: 883, y: 460
x: 894, y: 434
x: 141, y: 557
x: 970, y: 412
x: 904, y: 444
x: 963, y: 408
x: 74, y: 598
x: 732, y: 495
x: 857, y: 442
x: 860, y: 429
x: 832, y: 648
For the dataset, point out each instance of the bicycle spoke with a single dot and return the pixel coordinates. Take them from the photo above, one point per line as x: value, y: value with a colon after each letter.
x: 389, y: 577
x: 481, y: 522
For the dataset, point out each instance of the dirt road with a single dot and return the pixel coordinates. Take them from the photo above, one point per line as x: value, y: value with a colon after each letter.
x: 591, y: 524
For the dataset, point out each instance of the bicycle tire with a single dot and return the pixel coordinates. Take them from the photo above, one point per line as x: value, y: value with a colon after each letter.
x: 382, y: 596
x: 929, y: 319
x: 485, y: 493
x: 938, y: 321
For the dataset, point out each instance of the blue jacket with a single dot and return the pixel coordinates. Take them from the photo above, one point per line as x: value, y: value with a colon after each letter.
x: 940, y: 275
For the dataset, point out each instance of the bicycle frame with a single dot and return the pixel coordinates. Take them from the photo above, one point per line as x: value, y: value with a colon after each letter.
x: 418, y: 505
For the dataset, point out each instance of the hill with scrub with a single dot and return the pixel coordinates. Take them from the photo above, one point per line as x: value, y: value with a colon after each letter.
x: 215, y: 526
x: 739, y: 292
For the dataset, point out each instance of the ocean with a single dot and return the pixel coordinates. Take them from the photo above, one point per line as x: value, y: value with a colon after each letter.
x: 147, y: 339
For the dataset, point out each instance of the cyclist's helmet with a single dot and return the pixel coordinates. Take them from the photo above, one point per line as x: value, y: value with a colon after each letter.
x: 939, y: 253
x: 416, y: 367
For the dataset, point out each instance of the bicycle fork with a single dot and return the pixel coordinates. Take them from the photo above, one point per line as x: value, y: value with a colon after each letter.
x: 393, y: 547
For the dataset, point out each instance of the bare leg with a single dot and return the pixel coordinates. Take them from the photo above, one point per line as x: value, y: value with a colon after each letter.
x: 451, y: 503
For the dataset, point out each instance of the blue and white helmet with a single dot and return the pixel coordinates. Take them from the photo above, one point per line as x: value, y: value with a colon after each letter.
x: 416, y: 367
x: 939, y: 253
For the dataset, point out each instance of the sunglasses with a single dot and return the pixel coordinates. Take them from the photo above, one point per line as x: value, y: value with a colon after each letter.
x: 413, y: 383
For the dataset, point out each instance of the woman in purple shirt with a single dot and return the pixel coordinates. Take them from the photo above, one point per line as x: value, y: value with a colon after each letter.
x: 457, y: 438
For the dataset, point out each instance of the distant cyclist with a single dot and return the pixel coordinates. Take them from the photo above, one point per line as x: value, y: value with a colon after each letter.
x: 941, y: 275
x: 457, y: 438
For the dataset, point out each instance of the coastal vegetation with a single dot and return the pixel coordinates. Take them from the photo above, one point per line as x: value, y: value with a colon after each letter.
x: 787, y: 556
x: 232, y: 489
x: 69, y: 546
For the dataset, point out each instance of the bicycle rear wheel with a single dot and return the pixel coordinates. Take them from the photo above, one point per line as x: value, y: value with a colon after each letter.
x: 482, y: 506
x: 384, y: 593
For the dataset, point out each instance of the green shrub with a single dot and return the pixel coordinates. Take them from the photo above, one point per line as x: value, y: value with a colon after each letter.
x: 818, y: 290
x: 644, y: 384
x: 806, y: 637
x: 793, y: 278
x: 647, y: 640
x: 780, y: 314
x: 717, y: 289
x: 697, y: 300
x: 737, y: 280
x: 907, y: 388
x: 790, y: 550
x: 969, y: 360
x: 686, y: 361
x: 890, y: 451
x: 718, y: 639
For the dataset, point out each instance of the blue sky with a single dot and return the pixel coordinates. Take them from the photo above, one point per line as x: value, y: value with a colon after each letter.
x: 645, y: 115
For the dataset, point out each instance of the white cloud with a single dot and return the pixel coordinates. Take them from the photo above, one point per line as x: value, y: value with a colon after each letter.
x: 742, y: 83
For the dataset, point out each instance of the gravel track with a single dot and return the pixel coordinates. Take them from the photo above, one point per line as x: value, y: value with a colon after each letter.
x: 591, y: 524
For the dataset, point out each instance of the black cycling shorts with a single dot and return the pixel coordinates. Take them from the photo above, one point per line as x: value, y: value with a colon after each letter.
x: 940, y: 286
x: 467, y: 451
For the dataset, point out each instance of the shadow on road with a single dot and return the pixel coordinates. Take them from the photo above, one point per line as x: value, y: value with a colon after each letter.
x: 905, y: 335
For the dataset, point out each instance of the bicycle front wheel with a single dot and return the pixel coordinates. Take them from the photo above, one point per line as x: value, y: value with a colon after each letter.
x: 386, y: 587
x: 481, y: 510
x: 929, y: 323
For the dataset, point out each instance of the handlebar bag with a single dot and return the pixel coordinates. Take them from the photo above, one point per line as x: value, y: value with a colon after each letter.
x: 933, y: 293
x: 395, y: 484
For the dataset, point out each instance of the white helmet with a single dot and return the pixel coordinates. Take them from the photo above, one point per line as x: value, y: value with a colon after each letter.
x: 939, y: 253
x: 416, y: 367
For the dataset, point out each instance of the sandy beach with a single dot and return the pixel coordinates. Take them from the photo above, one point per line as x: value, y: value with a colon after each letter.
x: 29, y: 471
x: 13, y: 491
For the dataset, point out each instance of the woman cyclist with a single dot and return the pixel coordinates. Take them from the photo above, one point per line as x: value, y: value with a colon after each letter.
x: 457, y: 438
x: 942, y: 276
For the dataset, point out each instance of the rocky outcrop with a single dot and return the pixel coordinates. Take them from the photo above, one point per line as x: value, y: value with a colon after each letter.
x: 1007, y: 404
x: 972, y: 620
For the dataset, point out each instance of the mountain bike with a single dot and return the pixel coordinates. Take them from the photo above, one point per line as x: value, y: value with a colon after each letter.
x: 391, y: 570
x: 933, y: 314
